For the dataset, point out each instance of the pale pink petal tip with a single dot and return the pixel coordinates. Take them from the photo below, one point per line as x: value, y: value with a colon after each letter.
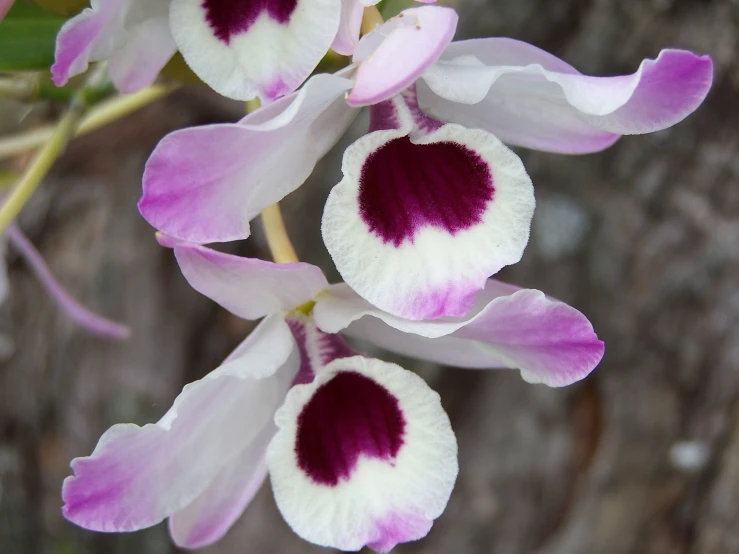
x: 205, y: 184
x: 247, y: 287
x: 528, y: 97
x: 395, y: 54
x: 138, y: 476
x: 547, y: 340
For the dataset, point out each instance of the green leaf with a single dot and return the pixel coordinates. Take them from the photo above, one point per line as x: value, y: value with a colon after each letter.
x: 27, y: 38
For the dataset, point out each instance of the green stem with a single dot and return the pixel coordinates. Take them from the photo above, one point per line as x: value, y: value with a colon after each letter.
x: 40, y: 166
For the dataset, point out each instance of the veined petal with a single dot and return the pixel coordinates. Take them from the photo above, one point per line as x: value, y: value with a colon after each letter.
x: 206, y: 519
x: 396, y: 53
x: 264, y: 48
x: 132, y: 34
x: 422, y: 218
x: 365, y: 455
x: 530, y: 98
x: 248, y: 287
x: 138, y: 476
x: 547, y: 340
x: 205, y: 184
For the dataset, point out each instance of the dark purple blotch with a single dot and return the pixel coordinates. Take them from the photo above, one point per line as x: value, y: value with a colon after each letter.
x: 228, y: 18
x: 404, y: 186
x: 347, y: 417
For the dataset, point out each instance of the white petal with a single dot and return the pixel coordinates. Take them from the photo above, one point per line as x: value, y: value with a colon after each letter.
x: 547, y: 340
x: 530, y: 98
x: 266, y: 49
x: 365, y: 455
x: 419, y: 223
x: 248, y: 287
x: 138, y: 476
x: 210, y: 516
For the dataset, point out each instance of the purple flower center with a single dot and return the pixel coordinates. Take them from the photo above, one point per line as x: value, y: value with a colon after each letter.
x: 347, y: 417
x: 404, y: 186
x: 228, y: 18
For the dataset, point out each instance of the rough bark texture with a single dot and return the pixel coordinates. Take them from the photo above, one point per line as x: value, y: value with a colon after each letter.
x: 641, y: 458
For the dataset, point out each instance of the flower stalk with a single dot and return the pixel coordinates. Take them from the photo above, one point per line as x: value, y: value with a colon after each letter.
x: 40, y: 165
x: 101, y: 115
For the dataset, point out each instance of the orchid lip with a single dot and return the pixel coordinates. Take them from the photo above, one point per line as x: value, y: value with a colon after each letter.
x: 349, y: 417
x: 228, y: 18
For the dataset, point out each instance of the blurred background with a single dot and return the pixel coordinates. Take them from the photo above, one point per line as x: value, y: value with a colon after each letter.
x: 642, y: 457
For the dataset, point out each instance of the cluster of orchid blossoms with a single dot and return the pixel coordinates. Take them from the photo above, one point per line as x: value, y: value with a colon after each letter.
x: 432, y: 204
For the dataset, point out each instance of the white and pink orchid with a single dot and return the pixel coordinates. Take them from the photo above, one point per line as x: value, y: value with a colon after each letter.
x: 360, y: 451
x: 242, y: 50
x: 432, y: 202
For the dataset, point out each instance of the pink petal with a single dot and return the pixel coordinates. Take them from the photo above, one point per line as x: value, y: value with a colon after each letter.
x: 264, y: 49
x: 346, y: 39
x: 365, y: 455
x: 247, y: 287
x: 205, y: 184
x: 395, y: 54
x: 547, y: 340
x: 4, y: 7
x: 132, y: 34
x: 210, y: 516
x: 138, y: 476
x: 530, y: 98
x: 426, y: 213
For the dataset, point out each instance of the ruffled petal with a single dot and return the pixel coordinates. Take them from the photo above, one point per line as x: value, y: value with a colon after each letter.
x: 422, y: 218
x: 138, y: 476
x: 365, y: 455
x: 206, y: 519
x: 396, y: 53
x: 132, y: 34
x: 205, y: 184
x: 547, y: 340
x: 530, y: 98
x: 265, y: 48
x: 248, y: 287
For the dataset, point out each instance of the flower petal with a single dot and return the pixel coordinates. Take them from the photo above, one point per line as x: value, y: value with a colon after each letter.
x: 530, y: 98
x: 211, y: 515
x: 396, y: 53
x: 264, y: 49
x: 204, y: 184
x: 547, y: 340
x: 247, y: 287
x: 365, y: 455
x: 419, y: 223
x: 137, y: 476
x: 138, y: 62
x: 346, y: 39
x: 133, y: 34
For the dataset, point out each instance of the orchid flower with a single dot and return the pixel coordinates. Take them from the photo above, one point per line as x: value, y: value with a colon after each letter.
x: 242, y: 50
x: 81, y: 316
x: 432, y: 202
x: 360, y: 451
